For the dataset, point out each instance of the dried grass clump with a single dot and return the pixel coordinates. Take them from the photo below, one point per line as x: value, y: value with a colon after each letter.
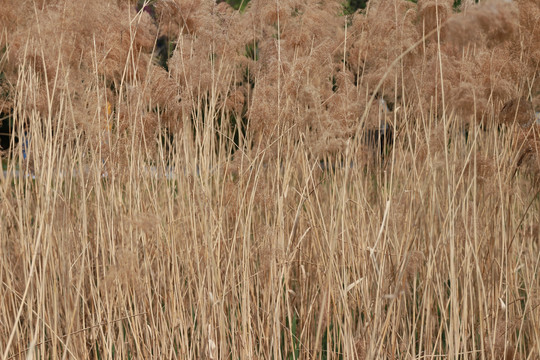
x: 433, y: 13
x: 201, y: 182
x: 295, y: 72
x: 476, y: 68
x: 490, y: 24
x: 527, y: 149
x: 517, y: 111
x: 376, y: 40
x: 86, y: 52
x: 275, y: 67
x: 501, y: 343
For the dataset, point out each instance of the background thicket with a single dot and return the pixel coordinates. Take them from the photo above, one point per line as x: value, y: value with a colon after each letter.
x: 191, y: 180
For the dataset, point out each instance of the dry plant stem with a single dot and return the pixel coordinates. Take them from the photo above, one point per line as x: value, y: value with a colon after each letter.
x: 70, y: 334
x: 27, y: 287
x: 388, y: 70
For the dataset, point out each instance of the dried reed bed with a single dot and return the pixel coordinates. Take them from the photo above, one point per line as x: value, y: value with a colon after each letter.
x: 249, y: 249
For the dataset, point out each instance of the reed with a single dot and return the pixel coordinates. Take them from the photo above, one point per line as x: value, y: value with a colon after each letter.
x: 182, y: 211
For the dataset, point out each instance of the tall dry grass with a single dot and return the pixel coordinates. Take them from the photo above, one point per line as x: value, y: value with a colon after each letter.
x: 182, y: 212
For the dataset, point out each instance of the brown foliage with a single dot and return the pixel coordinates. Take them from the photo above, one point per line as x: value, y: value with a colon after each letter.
x: 384, y: 262
x: 307, y: 78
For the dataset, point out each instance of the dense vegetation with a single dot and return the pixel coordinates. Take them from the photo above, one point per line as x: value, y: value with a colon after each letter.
x: 190, y: 180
